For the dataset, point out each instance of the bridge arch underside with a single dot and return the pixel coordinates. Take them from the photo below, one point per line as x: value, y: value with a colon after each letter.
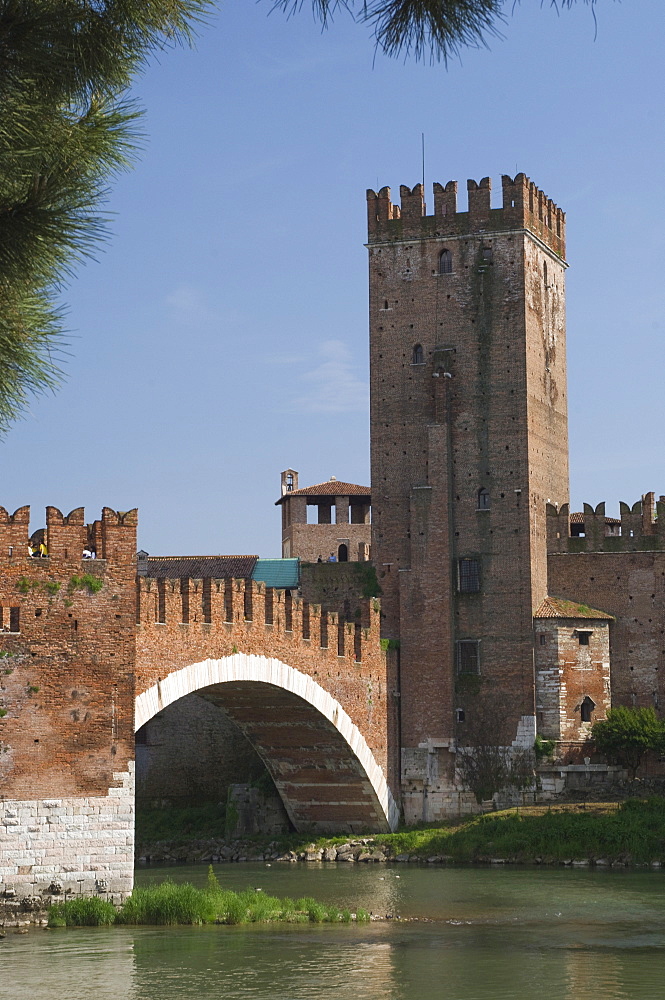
x: 324, y: 772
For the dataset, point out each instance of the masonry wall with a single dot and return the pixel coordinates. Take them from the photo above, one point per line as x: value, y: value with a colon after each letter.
x: 467, y: 393
x: 225, y: 617
x: 567, y: 673
x: 67, y: 698
x: 630, y: 586
x: 190, y: 753
x: 311, y: 541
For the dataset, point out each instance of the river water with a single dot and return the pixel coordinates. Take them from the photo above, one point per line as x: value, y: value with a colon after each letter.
x: 496, y: 933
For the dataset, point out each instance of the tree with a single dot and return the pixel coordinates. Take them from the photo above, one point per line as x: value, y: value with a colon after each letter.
x: 627, y: 734
x: 486, y: 761
x: 421, y: 28
x: 65, y: 130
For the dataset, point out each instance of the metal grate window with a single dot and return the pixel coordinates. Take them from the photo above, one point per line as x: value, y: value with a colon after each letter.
x: 445, y: 262
x: 468, y: 656
x: 468, y: 576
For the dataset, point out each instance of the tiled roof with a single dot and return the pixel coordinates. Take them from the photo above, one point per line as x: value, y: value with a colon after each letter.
x: 332, y: 488
x: 281, y: 573
x: 201, y: 567
x: 558, y: 607
x: 578, y: 518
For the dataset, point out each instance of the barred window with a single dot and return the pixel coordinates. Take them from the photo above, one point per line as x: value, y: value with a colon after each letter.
x: 468, y: 656
x: 445, y: 262
x: 468, y: 576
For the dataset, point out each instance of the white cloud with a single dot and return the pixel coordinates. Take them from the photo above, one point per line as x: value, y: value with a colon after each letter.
x: 189, y: 307
x: 332, y: 386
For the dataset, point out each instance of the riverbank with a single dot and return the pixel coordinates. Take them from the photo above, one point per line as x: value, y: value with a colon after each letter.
x: 603, y: 834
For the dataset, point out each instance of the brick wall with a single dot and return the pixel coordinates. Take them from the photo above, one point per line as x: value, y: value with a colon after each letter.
x: 630, y: 586
x: 468, y: 392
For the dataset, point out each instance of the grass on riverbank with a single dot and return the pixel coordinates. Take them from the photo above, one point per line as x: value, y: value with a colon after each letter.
x: 169, y: 903
x: 633, y: 831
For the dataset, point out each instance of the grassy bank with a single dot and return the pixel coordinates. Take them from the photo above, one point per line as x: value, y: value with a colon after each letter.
x: 168, y: 903
x: 628, y: 832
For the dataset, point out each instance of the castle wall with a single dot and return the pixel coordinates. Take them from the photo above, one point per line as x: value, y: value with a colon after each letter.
x: 630, y: 586
x: 67, y: 696
x: 310, y: 542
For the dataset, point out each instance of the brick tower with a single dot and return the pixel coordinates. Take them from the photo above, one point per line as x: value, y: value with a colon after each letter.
x: 469, y: 443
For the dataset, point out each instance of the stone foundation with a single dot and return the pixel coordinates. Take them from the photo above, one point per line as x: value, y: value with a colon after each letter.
x: 52, y: 849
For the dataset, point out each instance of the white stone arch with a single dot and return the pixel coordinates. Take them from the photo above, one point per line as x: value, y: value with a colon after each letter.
x: 268, y: 670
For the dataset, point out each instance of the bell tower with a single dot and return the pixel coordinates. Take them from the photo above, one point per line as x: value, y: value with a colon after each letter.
x: 469, y: 442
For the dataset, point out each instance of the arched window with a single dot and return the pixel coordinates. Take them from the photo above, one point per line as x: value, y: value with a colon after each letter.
x: 417, y: 355
x: 483, y: 499
x: 586, y: 709
x: 445, y: 262
x: 342, y: 553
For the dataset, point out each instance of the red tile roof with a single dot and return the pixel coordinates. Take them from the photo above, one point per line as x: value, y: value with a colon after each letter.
x: 578, y: 518
x: 558, y: 607
x: 331, y: 488
x: 200, y: 567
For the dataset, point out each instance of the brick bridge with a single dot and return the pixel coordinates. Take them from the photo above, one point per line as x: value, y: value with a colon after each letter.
x: 89, y: 653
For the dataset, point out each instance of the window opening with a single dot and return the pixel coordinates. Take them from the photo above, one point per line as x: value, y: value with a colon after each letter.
x: 417, y: 355
x: 543, y: 640
x: 483, y: 499
x: 468, y: 576
x: 445, y: 262
x: 586, y: 709
x: 468, y: 660
x: 460, y: 714
x: 14, y: 619
x: 487, y: 255
x: 583, y: 638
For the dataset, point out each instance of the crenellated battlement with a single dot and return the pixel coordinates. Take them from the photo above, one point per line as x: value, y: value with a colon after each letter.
x: 524, y: 206
x: 641, y: 527
x: 242, y: 609
x: 112, y: 537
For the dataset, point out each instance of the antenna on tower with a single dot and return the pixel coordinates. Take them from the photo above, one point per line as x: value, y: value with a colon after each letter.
x: 422, y: 145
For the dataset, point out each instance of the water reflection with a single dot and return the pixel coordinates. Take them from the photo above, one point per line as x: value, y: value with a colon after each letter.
x: 534, y: 935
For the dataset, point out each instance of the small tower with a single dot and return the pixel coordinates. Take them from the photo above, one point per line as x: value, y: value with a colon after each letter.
x: 469, y: 441
x: 342, y: 529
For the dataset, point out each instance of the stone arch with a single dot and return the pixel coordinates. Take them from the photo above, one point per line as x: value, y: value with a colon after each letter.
x: 332, y: 782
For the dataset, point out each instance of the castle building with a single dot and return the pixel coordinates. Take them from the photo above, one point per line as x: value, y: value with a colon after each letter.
x: 479, y: 560
x: 342, y: 538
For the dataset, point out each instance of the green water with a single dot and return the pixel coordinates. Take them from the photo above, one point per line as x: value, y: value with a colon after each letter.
x: 495, y: 933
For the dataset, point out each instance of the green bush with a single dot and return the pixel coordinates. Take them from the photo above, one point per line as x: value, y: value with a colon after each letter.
x: 627, y: 734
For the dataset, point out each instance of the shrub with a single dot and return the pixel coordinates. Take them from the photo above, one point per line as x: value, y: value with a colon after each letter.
x: 627, y: 734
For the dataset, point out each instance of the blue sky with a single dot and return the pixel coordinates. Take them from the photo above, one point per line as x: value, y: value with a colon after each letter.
x: 222, y: 334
